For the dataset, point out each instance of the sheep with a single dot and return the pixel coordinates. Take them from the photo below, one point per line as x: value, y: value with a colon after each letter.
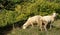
x: 40, y: 20
x: 47, y: 19
x: 32, y: 20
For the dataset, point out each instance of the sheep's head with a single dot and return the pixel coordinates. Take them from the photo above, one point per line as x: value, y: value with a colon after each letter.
x: 24, y: 26
x: 55, y: 14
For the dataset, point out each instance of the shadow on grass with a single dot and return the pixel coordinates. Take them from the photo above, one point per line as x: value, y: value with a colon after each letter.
x: 6, y: 29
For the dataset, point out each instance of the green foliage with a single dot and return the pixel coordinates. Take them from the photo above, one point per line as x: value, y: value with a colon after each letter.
x: 26, y: 9
x: 7, y: 17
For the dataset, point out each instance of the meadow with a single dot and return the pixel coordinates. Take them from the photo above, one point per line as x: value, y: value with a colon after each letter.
x: 35, y: 30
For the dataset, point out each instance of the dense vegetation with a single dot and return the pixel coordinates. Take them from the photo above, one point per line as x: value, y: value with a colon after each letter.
x: 12, y: 11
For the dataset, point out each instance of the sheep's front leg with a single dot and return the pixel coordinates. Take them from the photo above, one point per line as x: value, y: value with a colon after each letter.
x: 32, y: 24
x: 38, y: 23
x: 50, y: 26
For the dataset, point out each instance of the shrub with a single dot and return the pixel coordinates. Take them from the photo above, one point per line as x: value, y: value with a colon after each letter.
x: 27, y: 9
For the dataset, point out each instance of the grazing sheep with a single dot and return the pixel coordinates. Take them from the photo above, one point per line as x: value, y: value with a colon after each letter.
x: 47, y: 19
x: 40, y: 20
x: 32, y: 20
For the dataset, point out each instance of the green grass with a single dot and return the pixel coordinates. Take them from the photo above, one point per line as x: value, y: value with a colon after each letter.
x: 35, y: 30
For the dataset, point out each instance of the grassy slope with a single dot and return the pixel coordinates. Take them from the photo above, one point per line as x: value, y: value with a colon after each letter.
x: 35, y: 31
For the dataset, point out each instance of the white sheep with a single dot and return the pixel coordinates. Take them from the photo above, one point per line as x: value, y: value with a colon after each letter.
x: 47, y: 19
x: 40, y: 20
x: 32, y: 20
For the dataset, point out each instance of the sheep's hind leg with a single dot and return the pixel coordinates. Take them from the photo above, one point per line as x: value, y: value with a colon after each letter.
x: 45, y: 27
x: 40, y: 24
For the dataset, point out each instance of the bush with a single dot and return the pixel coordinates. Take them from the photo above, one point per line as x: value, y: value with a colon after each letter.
x: 27, y: 9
